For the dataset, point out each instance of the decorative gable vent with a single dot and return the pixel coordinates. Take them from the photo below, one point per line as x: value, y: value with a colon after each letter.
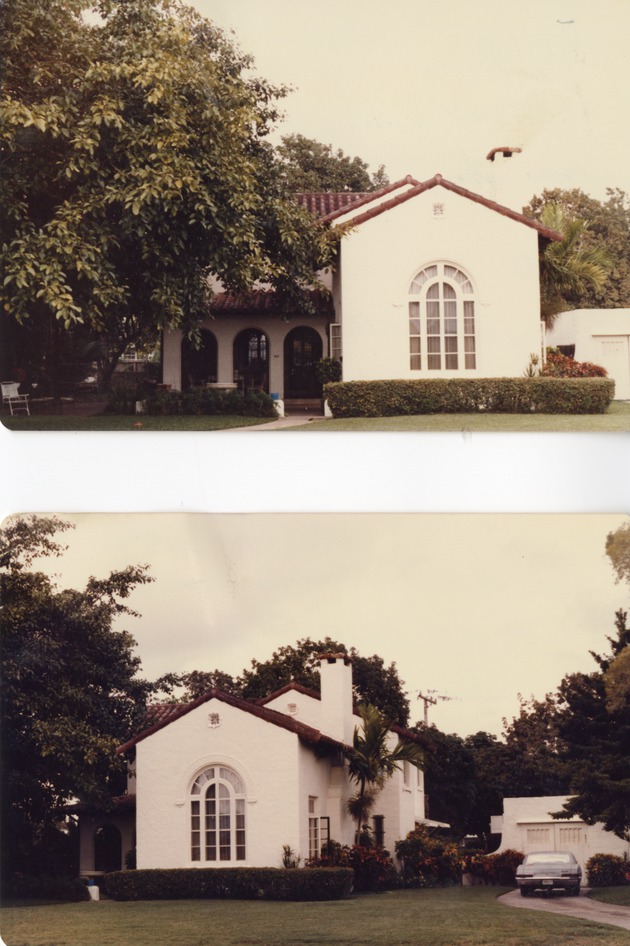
x: 292, y: 709
x: 439, y: 209
x: 214, y: 720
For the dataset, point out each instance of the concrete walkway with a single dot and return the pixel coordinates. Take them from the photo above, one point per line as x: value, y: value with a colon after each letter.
x: 582, y: 907
x: 292, y: 420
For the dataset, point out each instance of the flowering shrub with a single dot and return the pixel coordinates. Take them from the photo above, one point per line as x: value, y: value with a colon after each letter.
x: 561, y: 366
x: 497, y: 869
x: 373, y: 867
x: 429, y: 861
x: 607, y: 870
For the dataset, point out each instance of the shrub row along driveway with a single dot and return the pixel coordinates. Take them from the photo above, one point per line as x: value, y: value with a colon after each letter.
x: 582, y: 907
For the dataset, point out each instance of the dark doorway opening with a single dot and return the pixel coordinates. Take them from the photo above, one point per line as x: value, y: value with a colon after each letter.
x: 302, y: 352
x: 199, y: 365
x: 107, y: 848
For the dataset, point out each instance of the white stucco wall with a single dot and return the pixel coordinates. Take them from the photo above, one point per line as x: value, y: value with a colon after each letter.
x: 264, y: 755
x: 601, y: 336
x: 380, y: 258
x: 280, y: 773
x: 527, y: 826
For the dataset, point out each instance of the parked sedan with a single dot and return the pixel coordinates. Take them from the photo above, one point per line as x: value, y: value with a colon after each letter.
x: 549, y: 871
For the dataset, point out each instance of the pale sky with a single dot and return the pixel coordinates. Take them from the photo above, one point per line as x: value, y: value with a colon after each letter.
x: 426, y: 88
x: 476, y: 607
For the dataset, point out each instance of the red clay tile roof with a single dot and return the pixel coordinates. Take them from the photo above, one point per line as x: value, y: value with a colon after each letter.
x: 261, y: 300
x: 160, y: 714
x: 297, y: 687
x: 324, y: 203
x: 418, y: 187
x: 176, y: 710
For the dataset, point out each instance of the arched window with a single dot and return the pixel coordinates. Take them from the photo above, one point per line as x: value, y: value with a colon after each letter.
x: 442, y: 319
x: 217, y: 816
x: 251, y: 360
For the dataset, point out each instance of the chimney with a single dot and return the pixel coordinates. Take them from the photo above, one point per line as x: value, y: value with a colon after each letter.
x: 337, y: 718
x: 508, y: 184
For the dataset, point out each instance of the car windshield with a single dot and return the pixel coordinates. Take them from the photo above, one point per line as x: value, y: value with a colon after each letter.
x: 548, y: 859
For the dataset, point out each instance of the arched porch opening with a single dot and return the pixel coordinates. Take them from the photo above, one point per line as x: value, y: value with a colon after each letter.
x: 251, y: 360
x: 107, y: 848
x: 199, y: 365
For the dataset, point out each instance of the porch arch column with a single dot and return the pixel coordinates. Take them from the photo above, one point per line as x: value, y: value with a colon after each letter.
x: 172, y: 358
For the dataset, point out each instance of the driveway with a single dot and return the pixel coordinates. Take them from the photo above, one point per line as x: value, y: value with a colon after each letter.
x: 582, y: 907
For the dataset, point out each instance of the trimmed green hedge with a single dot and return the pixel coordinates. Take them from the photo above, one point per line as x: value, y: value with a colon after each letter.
x: 230, y: 883
x: 198, y: 401
x: 469, y: 396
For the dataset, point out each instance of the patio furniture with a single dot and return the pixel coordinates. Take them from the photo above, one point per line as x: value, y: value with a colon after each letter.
x: 12, y: 397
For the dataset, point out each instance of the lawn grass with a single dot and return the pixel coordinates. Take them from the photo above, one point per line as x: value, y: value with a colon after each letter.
x: 136, y: 423
x: 616, y: 419
x: 618, y: 895
x: 459, y: 916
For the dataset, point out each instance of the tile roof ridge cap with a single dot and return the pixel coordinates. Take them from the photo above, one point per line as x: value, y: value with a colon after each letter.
x: 369, y: 196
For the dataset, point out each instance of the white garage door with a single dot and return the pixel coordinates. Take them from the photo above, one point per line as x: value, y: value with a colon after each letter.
x: 615, y: 358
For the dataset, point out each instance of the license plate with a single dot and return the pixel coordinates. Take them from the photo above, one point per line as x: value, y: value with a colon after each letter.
x: 547, y: 883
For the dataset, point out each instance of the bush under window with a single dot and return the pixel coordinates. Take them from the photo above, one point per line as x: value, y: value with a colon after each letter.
x: 229, y: 883
x: 470, y: 395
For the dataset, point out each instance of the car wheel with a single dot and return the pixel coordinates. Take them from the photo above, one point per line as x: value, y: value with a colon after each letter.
x: 575, y: 891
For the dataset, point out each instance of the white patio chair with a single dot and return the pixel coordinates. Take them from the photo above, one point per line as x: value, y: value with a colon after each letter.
x: 12, y: 397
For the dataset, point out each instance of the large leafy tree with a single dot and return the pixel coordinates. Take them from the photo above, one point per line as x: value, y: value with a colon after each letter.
x: 135, y: 165
x: 309, y: 166
x: 595, y: 731
x: 618, y: 551
x: 594, y: 227
x: 70, y: 688
x: 373, y: 681
x: 373, y: 760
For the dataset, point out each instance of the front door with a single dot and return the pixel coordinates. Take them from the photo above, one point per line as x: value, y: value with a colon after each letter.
x: 302, y: 352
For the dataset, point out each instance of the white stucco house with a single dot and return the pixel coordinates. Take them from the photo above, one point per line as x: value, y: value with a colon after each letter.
x: 224, y: 781
x: 601, y: 336
x: 430, y: 280
x: 527, y: 825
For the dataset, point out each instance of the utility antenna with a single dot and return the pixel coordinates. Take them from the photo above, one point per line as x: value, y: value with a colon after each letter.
x: 431, y: 697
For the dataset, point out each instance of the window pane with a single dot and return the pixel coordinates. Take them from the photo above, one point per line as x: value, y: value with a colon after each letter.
x: 414, y: 326
x: 433, y: 345
x: 450, y: 361
x: 414, y: 345
x: 470, y: 361
x: 433, y: 291
x: 449, y: 292
x: 414, y: 310
x: 416, y: 362
x: 434, y: 361
x: 450, y: 343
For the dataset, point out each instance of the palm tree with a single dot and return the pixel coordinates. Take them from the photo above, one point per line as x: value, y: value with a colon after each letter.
x: 371, y: 762
x: 571, y: 267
